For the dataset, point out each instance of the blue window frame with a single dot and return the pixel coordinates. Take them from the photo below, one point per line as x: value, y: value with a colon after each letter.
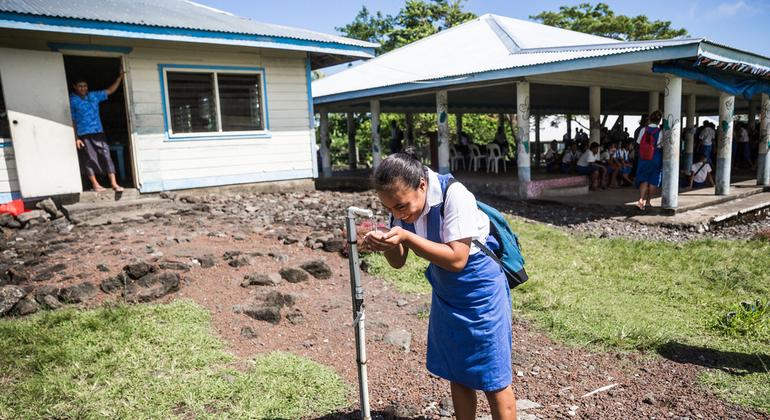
x: 213, y: 102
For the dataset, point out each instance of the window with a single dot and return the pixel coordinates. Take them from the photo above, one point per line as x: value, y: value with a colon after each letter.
x: 202, y: 102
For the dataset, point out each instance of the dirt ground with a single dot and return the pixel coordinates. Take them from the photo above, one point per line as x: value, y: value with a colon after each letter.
x: 318, y: 325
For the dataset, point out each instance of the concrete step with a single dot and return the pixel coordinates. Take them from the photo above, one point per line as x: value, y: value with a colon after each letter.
x: 717, y: 214
x: 564, y: 191
x: 108, y: 196
x: 113, y: 212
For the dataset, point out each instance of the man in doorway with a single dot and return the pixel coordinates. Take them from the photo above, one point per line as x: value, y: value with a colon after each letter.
x: 89, y: 132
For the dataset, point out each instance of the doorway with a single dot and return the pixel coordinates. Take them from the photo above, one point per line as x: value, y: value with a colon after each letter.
x: 100, y: 73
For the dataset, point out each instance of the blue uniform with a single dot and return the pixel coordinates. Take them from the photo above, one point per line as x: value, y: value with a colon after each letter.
x: 651, y: 171
x: 85, y: 112
x: 469, y: 331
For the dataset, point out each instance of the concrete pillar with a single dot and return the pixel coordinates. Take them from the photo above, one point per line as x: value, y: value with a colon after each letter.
x: 409, y: 118
x: 458, y: 126
x: 522, y: 142
x: 537, y: 141
x: 352, y: 147
x: 672, y: 125
x: 724, y: 142
x: 689, y: 136
x: 763, y: 165
x: 653, y: 102
x: 374, y: 108
x: 443, y: 131
x: 594, y: 117
x: 326, y: 164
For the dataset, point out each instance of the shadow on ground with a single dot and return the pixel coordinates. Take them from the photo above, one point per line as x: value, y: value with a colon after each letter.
x: 734, y: 363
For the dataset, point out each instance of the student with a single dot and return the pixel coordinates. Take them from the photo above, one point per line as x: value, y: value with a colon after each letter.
x: 649, y: 172
x: 627, y: 159
x: 569, y: 159
x: 706, y: 138
x: 700, y: 172
x: 614, y: 164
x: 469, y: 331
x: 552, y: 158
x: 744, y: 147
x: 586, y: 165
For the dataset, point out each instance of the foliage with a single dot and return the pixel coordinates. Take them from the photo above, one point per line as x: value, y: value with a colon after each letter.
x: 600, y: 20
x: 747, y: 319
x: 149, y: 361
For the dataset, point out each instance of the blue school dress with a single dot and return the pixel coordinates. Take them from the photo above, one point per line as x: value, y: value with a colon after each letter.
x: 651, y: 171
x: 469, y: 330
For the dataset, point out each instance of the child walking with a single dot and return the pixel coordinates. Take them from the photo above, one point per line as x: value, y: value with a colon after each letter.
x: 469, y: 330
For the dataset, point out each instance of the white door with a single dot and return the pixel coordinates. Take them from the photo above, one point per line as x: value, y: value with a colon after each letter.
x: 36, y: 97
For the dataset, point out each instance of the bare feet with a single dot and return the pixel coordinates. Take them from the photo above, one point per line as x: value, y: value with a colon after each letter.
x: 640, y: 204
x: 117, y: 188
x: 99, y: 188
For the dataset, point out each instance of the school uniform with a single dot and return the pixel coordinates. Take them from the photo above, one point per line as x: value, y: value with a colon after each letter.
x: 469, y: 329
x: 566, y: 161
x: 706, y: 137
x: 650, y: 171
x: 85, y: 115
x: 700, y: 172
x: 586, y: 163
x: 623, y: 156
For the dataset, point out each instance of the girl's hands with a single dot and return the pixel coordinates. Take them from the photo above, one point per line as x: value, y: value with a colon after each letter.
x: 383, y: 241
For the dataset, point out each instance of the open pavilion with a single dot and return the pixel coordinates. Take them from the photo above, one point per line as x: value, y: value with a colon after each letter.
x: 496, y: 64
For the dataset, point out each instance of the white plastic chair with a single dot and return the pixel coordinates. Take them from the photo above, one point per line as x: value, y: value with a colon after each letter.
x: 454, y: 157
x: 494, y: 158
x: 476, y: 157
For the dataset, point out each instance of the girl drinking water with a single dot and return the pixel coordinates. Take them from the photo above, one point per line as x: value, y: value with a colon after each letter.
x: 469, y: 331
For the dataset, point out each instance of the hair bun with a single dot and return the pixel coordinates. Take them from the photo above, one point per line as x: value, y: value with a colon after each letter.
x: 411, y: 151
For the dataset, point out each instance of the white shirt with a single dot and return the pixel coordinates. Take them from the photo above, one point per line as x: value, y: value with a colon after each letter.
x: 707, y: 135
x: 703, y: 174
x: 743, y: 135
x: 462, y: 217
x: 550, y: 154
x: 604, y: 156
x: 588, y: 157
x: 569, y: 156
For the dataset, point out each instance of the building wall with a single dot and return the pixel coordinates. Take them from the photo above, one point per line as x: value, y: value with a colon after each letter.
x: 287, y: 152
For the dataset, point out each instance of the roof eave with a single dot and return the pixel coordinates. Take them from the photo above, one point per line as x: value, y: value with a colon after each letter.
x: 635, y: 57
x: 87, y: 27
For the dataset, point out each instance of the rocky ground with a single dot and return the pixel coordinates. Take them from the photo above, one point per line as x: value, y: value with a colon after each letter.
x: 270, y: 270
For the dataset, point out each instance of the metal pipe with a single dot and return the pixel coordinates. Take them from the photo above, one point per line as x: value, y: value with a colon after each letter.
x: 357, y: 295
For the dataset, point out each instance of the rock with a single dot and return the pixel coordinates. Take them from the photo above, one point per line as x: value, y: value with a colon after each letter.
x: 399, y: 338
x: 103, y: 268
x: 649, y: 399
x: 31, y: 216
x: 258, y: 279
x: 49, y: 207
x: 293, y: 275
x: 139, y: 269
x: 334, y: 245
x: 174, y: 265
x: 295, y: 317
x: 151, y: 287
x: 77, y: 293
x: 402, y: 302
x: 278, y: 299
x: 46, y: 290
x: 51, y: 302
x: 207, y: 261
x: 18, y: 275
x: 26, y: 306
x: 524, y: 404
x: 10, y: 296
x: 248, y: 333
x: 318, y: 269
x: 271, y: 314
x: 115, y: 284
x: 7, y: 220
x: 239, y: 261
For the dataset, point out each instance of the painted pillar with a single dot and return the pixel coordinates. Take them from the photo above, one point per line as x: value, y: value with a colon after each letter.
x: 522, y: 142
x: 653, y: 102
x: 409, y: 118
x: 594, y: 116
x: 724, y: 142
x: 537, y: 141
x: 374, y: 108
x: 443, y: 131
x: 763, y: 165
x: 352, y: 147
x: 326, y: 166
x: 689, y: 134
x: 672, y: 126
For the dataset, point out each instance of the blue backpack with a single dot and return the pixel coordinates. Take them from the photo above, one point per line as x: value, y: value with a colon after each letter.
x: 508, y: 255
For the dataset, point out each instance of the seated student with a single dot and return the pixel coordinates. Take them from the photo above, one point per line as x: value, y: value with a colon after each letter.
x: 587, y: 165
x: 700, y: 172
x: 569, y: 159
x: 552, y: 158
x: 614, y: 164
x: 626, y: 159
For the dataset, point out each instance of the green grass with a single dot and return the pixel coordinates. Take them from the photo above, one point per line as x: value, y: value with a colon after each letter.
x: 149, y: 361
x: 628, y: 294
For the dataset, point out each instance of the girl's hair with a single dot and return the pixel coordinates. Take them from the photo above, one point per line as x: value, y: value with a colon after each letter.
x: 655, y: 117
x: 404, y: 166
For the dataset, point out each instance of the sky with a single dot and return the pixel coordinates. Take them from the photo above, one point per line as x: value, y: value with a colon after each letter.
x: 742, y: 24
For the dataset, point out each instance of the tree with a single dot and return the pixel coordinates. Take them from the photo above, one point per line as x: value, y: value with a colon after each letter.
x: 600, y: 20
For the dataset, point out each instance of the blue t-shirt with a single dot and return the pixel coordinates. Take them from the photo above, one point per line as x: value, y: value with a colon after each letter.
x: 85, y: 112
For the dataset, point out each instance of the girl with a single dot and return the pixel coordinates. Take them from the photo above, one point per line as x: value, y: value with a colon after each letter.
x: 649, y: 173
x: 469, y: 331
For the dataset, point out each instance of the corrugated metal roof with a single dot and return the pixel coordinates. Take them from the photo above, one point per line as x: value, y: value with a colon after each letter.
x: 179, y: 14
x: 486, y: 44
